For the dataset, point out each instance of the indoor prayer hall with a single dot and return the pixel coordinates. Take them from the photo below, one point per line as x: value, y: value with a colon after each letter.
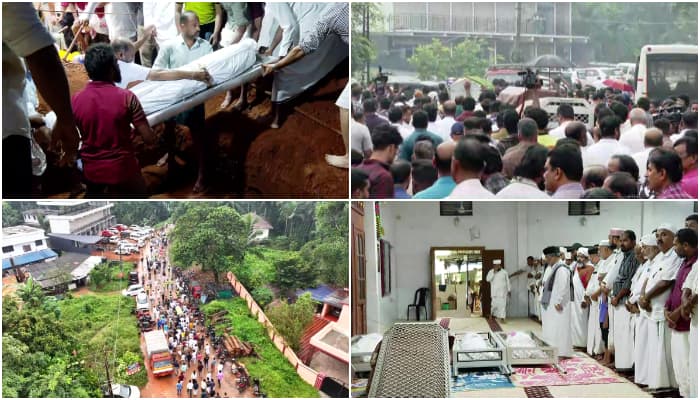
x: 524, y: 299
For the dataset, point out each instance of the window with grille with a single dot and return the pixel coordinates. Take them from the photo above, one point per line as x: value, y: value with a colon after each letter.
x: 578, y: 208
x: 456, y: 208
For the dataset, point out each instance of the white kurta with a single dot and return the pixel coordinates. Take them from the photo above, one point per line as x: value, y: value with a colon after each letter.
x: 500, y: 287
x: 579, y: 316
x: 594, y: 336
x: 556, y: 325
x: 691, y: 283
x: 659, y: 363
x: 640, y: 325
x: 533, y: 304
x: 613, y: 267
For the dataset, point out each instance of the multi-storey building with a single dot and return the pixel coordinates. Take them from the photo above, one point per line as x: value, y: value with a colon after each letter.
x: 77, y: 217
x: 545, y: 28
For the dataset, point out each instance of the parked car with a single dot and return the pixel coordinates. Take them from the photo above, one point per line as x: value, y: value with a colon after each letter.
x: 142, y: 302
x: 133, y: 277
x: 133, y: 290
x: 123, y: 391
x: 122, y: 251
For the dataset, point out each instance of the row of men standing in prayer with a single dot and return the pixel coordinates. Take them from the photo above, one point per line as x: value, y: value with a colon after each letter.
x: 634, y: 302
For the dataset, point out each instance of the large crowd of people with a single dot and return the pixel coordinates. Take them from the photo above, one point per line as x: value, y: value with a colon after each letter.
x: 197, y: 361
x: 632, y: 300
x: 428, y: 146
x: 122, y: 44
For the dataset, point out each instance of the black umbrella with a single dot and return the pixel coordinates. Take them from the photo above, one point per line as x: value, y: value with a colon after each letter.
x: 549, y: 60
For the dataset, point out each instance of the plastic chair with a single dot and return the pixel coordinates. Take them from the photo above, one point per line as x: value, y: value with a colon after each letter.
x: 419, y: 300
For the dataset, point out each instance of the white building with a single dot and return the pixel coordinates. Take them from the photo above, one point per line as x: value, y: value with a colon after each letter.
x: 24, y: 245
x: 77, y: 217
x: 261, y: 228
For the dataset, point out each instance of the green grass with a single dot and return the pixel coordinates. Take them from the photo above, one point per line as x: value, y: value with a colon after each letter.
x: 119, y: 279
x: 260, y: 261
x: 277, y: 376
x: 102, y: 324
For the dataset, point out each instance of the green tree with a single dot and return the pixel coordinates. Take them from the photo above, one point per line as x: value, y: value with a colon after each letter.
x: 141, y: 212
x: 263, y: 296
x: 100, y: 275
x: 363, y: 49
x: 10, y: 215
x: 31, y: 293
x: 293, y: 274
x: 212, y: 236
x: 291, y: 320
x: 328, y: 252
x: 437, y: 61
x: 617, y: 31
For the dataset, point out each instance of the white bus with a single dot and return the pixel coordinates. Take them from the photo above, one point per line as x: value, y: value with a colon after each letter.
x: 667, y: 70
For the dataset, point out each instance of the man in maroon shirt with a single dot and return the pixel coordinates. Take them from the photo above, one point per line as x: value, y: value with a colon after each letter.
x: 686, y: 246
x: 103, y: 113
x: 385, y: 140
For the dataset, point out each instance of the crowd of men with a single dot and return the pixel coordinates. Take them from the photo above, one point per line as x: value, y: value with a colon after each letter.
x: 126, y: 43
x: 432, y: 147
x: 176, y: 312
x: 632, y: 300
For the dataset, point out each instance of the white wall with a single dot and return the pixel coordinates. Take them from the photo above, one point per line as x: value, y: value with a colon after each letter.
x: 519, y: 228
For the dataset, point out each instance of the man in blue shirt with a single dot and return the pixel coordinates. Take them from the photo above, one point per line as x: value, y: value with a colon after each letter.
x: 420, y: 123
x: 444, y: 184
x: 401, y: 171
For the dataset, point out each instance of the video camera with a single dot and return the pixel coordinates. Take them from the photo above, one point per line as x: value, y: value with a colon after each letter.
x: 672, y: 113
x: 380, y: 82
x: 528, y: 79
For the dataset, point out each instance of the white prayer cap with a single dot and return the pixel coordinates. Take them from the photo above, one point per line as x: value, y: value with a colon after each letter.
x: 562, y: 249
x: 616, y: 231
x: 568, y: 255
x: 649, y: 240
x: 496, y: 262
x: 583, y: 251
x: 604, y: 243
x: 667, y: 227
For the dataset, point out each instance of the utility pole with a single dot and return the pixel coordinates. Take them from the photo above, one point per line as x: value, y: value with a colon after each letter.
x: 515, y: 55
x: 365, y: 33
x: 109, y: 379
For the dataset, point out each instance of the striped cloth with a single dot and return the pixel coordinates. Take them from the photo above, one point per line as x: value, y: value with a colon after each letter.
x: 334, y: 22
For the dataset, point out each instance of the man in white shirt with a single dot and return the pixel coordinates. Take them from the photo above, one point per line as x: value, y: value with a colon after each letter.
x: 24, y: 36
x: 607, y: 146
x: 565, y: 115
x: 633, y: 138
x: 500, y: 290
x: 649, y: 251
x: 690, y: 310
x: 653, y: 138
x: 132, y: 72
x: 556, y: 303
x: 361, y: 141
x: 467, y: 166
x: 161, y: 15
x: 443, y: 127
x: 665, y: 266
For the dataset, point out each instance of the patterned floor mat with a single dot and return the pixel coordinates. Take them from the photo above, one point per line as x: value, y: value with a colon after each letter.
x: 580, y: 370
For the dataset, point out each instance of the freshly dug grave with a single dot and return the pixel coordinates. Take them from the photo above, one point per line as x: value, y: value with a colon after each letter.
x: 251, y: 159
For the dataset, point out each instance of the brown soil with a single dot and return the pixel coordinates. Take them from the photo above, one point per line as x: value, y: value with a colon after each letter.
x: 251, y: 159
